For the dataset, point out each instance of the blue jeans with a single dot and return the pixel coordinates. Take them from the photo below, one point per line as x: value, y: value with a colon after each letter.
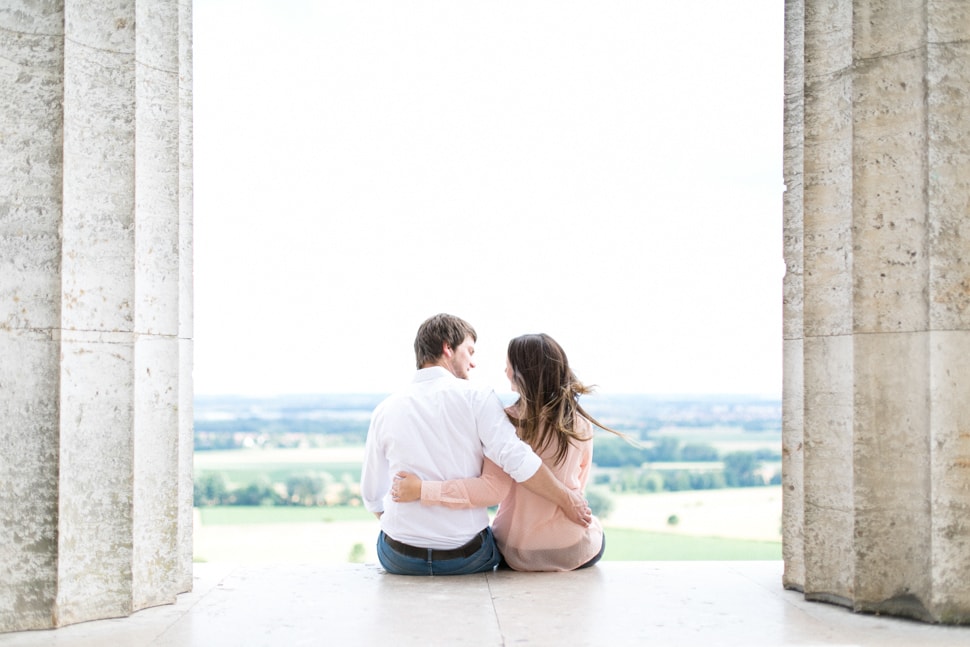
x: 484, y: 560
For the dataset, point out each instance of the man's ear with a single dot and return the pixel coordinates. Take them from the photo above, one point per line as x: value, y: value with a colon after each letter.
x: 447, y: 350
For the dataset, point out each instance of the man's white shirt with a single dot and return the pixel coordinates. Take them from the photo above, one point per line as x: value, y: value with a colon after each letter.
x: 439, y: 428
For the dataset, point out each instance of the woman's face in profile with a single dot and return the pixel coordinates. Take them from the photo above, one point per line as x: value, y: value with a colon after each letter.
x: 509, y: 373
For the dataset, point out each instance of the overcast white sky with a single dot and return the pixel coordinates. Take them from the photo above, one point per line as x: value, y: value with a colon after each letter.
x: 607, y: 172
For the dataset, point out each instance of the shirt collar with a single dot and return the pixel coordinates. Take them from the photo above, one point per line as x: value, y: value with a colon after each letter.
x: 432, y: 373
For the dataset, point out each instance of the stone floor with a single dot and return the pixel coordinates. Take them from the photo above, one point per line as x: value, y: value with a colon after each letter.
x: 614, y: 603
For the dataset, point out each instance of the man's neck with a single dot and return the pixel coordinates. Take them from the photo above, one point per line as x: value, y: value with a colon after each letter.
x: 441, y: 363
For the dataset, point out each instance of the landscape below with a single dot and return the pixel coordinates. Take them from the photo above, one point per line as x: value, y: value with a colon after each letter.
x: 276, y: 479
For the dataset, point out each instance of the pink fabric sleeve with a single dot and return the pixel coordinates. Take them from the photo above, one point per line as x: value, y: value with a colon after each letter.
x: 584, y: 466
x: 486, y: 490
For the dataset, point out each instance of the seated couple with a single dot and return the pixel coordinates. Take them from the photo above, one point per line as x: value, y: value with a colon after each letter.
x: 442, y: 450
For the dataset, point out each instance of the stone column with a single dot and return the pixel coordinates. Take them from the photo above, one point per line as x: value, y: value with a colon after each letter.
x: 95, y: 308
x: 877, y: 306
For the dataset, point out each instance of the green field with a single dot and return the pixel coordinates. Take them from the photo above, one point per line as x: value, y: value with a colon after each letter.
x: 241, y: 515
x: 624, y: 545
x: 639, y: 536
x: 245, y: 473
x: 621, y: 544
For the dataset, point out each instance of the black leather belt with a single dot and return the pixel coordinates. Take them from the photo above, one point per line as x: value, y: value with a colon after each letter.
x: 467, y: 550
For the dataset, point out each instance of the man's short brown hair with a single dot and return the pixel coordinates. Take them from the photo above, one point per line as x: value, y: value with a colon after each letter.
x: 437, y: 331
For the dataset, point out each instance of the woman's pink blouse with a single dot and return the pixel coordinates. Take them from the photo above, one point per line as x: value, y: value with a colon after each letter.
x: 532, y: 532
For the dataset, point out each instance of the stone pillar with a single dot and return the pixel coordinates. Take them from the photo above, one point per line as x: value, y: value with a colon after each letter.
x: 877, y: 306
x: 95, y: 308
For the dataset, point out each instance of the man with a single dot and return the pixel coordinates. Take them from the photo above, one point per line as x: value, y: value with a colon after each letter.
x: 440, y: 428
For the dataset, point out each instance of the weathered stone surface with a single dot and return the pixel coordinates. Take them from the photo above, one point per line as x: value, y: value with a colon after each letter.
x: 95, y: 476
x: 31, y: 87
x: 28, y: 478
x: 892, y: 474
x: 884, y: 145
x: 825, y: 135
x: 95, y: 309
x: 949, y: 450
x: 793, y: 387
x: 156, y: 478
x: 889, y: 257
x: 948, y: 124
x: 185, y: 329
x: 828, y: 477
x: 793, y: 467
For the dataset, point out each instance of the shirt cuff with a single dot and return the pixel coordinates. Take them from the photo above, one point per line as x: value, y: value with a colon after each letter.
x: 527, y: 469
x: 430, y: 491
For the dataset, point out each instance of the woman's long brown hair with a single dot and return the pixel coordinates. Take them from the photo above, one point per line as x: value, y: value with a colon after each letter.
x: 549, y: 391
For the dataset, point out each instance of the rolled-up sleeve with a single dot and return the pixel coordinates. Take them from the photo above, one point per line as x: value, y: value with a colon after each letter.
x: 375, y: 472
x: 502, y: 445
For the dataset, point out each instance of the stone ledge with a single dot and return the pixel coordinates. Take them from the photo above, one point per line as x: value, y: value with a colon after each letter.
x: 614, y: 603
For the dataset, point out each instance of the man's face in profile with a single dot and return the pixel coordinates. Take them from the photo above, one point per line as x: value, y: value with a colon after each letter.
x: 461, y: 363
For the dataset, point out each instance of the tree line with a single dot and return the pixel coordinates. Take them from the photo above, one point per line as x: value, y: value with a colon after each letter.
x: 298, y: 489
x: 620, y: 467
x: 625, y: 467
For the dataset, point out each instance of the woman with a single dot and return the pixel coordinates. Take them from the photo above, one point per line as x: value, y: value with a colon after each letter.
x: 532, y: 533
